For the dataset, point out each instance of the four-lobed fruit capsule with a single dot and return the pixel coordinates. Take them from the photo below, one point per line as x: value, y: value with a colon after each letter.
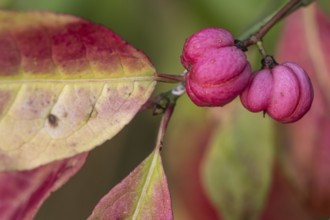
x: 217, y: 71
x: 284, y: 92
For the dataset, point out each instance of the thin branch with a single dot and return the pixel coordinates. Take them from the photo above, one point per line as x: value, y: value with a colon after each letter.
x: 277, y: 17
x: 262, y: 28
x: 163, y: 126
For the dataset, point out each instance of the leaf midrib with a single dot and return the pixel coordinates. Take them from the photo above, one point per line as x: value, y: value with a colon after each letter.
x: 146, y: 185
x: 120, y: 79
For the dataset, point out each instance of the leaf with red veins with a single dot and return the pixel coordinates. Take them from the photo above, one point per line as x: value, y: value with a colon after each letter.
x: 23, y: 192
x: 306, y: 154
x: 143, y: 194
x: 66, y: 86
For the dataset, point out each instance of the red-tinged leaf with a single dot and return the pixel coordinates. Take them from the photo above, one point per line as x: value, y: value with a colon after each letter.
x: 306, y: 145
x: 66, y: 86
x: 282, y: 204
x: 22, y: 192
x: 143, y: 194
x: 237, y: 166
x: 188, y: 138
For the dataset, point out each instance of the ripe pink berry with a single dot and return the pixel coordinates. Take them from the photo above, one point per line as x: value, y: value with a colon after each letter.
x: 202, y: 41
x: 218, y: 71
x: 283, y: 92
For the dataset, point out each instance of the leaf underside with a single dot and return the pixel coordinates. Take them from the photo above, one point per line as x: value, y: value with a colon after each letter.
x: 66, y: 85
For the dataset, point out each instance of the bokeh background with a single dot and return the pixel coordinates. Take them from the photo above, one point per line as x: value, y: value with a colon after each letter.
x: 159, y: 28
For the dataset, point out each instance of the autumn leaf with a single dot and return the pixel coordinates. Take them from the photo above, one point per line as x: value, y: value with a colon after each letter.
x: 143, y: 194
x: 66, y: 86
x: 23, y: 192
x: 237, y: 166
x: 305, y: 152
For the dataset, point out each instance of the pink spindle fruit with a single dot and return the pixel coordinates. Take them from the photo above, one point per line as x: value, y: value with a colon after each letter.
x: 218, y: 71
x: 283, y: 92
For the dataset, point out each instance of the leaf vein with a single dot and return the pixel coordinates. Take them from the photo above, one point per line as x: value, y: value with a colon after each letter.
x: 146, y: 186
x: 105, y: 80
x: 3, y: 114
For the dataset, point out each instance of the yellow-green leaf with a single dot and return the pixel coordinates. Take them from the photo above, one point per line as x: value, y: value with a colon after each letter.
x: 66, y: 85
x: 237, y: 168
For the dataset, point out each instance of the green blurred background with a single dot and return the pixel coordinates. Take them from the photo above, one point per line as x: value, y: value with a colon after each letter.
x: 159, y: 28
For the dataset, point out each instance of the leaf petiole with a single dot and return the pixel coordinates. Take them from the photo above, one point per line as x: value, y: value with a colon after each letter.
x: 169, y: 78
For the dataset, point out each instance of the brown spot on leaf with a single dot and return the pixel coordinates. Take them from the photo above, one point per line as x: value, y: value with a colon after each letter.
x: 65, y: 114
x: 53, y: 120
x: 73, y: 145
